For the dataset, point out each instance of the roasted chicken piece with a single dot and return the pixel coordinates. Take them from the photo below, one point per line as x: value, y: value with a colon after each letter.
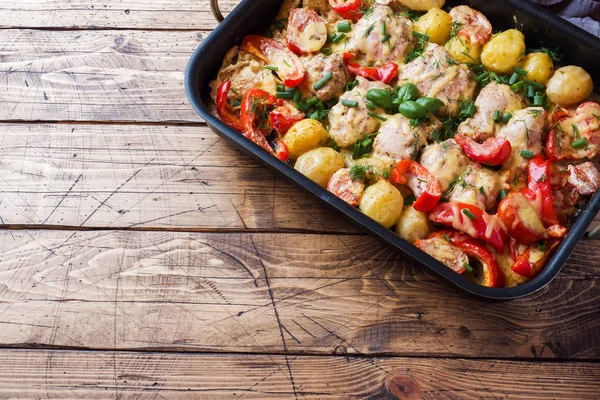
x: 524, y: 132
x: 437, y: 75
x: 494, y: 97
x: 477, y: 186
x: 398, y: 140
x: 348, y: 124
x: 366, y: 40
x: 446, y: 161
x: 319, y: 65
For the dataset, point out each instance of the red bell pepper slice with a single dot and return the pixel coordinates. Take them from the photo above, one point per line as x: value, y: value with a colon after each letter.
x: 289, y: 66
x: 473, y: 221
x: 305, y: 20
x: 492, y: 277
x: 384, y: 74
x: 559, y: 114
x: 254, y: 104
x: 282, y: 151
x: 539, y: 190
x: 283, y: 117
x: 224, y: 108
x: 530, y: 264
x: 424, y: 185
x: 348, y: 9
x: 521, y: 219
x: 443, y: 251
x: 492, y: 152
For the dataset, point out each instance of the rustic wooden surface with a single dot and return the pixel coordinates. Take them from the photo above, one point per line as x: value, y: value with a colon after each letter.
x: 142, y: 257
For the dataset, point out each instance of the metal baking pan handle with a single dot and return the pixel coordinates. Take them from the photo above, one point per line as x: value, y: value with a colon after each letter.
x: 214, y: 6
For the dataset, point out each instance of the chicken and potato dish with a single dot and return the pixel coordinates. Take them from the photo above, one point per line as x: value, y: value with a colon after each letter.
x: 460, y: 138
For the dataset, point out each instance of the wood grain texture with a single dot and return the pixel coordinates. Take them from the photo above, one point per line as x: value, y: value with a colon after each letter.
x: 136, y: 176
x: 139, y: 14
x: 272, y: 293
x: 108, y: 375
x: 95, y: 75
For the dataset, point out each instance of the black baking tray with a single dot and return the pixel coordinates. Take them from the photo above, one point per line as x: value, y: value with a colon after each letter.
x: 541, y: 28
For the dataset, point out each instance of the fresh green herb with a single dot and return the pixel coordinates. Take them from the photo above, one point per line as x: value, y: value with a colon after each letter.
x: 447, y: 237
x: 518, y: 87
x: 285, y: 95
x: 410, y: 200
x: 369, y: 30
x: 326, y: 51
x: 506, y: 117
x: 536, y: 85
x: 514, y: 79
x: 538, y: 100
x: 482, y: 76
x: 349, y: 103
x: 344, y: 26
x: 451, y: 62
x: 420, y: 36
x: 468, y: 267
x: 297, y: 96
x: 542, y: 245
x: 455, y: 28
x: 359, y: 172
x: 383, y: 28
x: 374, y: 115
x: 271, y: 67
x: 370, y: 105
x: 381, y: 97
x: 527, y: 154
x: 554, y: 55
x: 530, y: 92
x: 419, y: 47
x: 467, y: 110
x: 302, y: 106
x: 580, y: 144
x: 482, y: 190
x: 499, y: 78
x: 386, y: 38
x: 386, y: 173
x: 503, y: 194
x: 408, y: 92
x: 412, y: 110
x: 319, y: 85
x: 469, y: 214
x: 287, y: 63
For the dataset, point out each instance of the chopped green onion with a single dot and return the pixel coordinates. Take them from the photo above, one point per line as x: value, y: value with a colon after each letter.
x: 386, y: 38
x: 271, y: 67
x: 520, y: 71
x: 536, y: 85
x: 344, y: 26
x: 280, y: 88
x: 530, y: 92
x: 517, y: 87
x: 312, y: 101
x: 326, y: 51
x: 409, y: 201
x: 469, y: 214
x: 468, y: 267
x: 538, y: 100
x: 527, y: 154
x: 302, y: 106
x: 468, y: 110
x: 506, y: 117
x: 323, y: 81
x: 297, y: 96
x: 503, y: 193
x: 580, y: 144
x: 447, y: 237
x: 339, y: 38
x: 542, y: 245
x: 383, y: 28
x: 351, y: 85
x: 320, y: 105
x: 367, y: 143
x: 379, y: 117
x: 482, y: 76
x: 497, y: 116
x: 370, y: 105
x: 285, y: 95
x: 330, y: 37
x: 482, y: 190
x: 514, y: 78
x: 356, y: 152
x: 349, y: 103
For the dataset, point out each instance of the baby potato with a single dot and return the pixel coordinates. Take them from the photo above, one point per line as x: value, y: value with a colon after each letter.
x: 320, y: 164
x: 304, y: 136
x: 423, y: 5
x: 413, y: 225
x: 382, y: 202
x: 539, y: 67
x: 569, y: 86
x: 463, y: 51
x: 437, y: 24
x: 504, y: 51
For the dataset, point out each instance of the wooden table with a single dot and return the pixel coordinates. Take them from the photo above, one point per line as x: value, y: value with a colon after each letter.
x: 142, y: 257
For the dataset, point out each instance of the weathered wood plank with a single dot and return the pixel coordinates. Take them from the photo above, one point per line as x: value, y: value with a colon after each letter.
x: 308, y: 294
x: 107, y: 375
x: 138, y: 14
x: 144, y: 177
x: 95, y: 75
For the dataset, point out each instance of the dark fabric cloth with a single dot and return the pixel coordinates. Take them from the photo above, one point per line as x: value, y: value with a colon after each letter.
x: 583, y: 13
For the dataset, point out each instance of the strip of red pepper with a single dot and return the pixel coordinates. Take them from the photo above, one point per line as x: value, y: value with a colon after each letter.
x: 256, y: 101
x: 384, y: 74
x: 539, y: 190
x: 424, y: 185
x: 476, y: 249
x: 348, y: 9
x: 224, y: 108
